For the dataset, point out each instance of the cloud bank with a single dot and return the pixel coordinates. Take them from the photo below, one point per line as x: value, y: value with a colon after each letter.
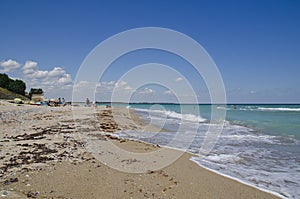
x: 8, y: 66
x: 56, y: 82
x: 57, y: 78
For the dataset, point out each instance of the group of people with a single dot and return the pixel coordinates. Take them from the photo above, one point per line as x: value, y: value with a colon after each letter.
x: 56, y: 102
x: 88, y: 103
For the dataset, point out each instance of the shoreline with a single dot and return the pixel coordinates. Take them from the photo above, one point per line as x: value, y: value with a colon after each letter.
x: 217, y: 172
x: 171, y: 183
x: 211, y: 170
x: 239, y: 180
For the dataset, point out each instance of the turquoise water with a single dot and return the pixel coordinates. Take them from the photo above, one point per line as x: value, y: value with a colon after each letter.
x: 259, y: 144
x: 270, y: 119
x: 266, y: 118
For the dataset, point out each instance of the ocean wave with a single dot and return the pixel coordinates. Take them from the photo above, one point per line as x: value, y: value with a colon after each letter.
x: 223, y: 158
x: 224, y: 108
x: 267, y: 139
x: 201, y: 163
x: 175, y: 115
x: 278, y: 109
x: 240, y: 154
x: 185, y: 117
x: 247, y: 109
x: 265, y: 161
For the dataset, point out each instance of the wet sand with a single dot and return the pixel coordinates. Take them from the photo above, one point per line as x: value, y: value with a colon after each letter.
x: 44, y: 155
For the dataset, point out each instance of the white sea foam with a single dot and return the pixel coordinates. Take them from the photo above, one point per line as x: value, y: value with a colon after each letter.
x: 247, y: 109
x: 242, y: 153
x: 223, y: 158
x: 173, y: 114
x: 224, y: 108
x: 185, y: 117
x: 278, y: 109
x: 196, y: 160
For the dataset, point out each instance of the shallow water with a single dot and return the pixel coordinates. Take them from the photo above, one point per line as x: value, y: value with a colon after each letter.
x: 259, y: 144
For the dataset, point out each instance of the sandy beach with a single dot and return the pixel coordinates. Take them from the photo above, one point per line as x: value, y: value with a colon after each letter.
x: 44, y: 155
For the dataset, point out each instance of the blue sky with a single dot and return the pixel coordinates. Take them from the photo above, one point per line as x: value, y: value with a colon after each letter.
x: 255, y: 44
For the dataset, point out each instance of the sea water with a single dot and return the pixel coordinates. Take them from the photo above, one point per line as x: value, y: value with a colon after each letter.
x: 259, y: 144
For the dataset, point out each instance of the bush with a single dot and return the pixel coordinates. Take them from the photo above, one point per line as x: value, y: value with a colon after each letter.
x: 4, y: 81
x: 16, y: 86
x: 35, y: 91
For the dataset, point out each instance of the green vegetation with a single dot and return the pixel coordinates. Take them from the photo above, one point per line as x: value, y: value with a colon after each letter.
x: 17, y: 86
x: 6, y: 94
x: 35, y: 91
x: 10, y: 88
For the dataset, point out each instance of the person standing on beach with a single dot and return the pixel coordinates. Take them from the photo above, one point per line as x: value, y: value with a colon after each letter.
x: 87, y: 102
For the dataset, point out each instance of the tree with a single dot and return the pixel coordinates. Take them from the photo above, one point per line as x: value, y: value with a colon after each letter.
x: 16, y: 86
x: 35, y: 91
x: 4, y: 80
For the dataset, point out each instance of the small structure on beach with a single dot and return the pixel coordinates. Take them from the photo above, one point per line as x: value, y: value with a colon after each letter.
x: 37, y: 95
x: 38, y: 98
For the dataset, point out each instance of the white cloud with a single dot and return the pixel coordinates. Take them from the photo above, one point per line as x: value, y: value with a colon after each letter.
x: 146, y: 91
x: 29, y: 67
x: 57, y: 71
x: 106, y: 86
x: 38, y: 74
x: 56, y: 82
x: 9, y: 65
x: 103, y: 91
x: 30, y: 70
x: 122, y: 85
x: 103, y: 86
x: 122, y: 91
x: 169, y: 92
x: 127, y: 88
x: 178, y: 79
x: 66, y: 78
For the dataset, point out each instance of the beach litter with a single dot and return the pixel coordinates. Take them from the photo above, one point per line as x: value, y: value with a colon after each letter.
x: 4, y: 194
